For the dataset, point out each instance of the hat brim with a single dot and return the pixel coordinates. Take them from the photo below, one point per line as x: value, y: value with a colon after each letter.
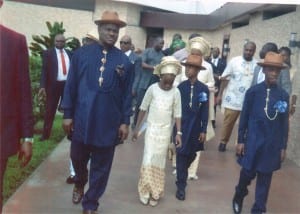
x: 187, y: 63
x: 92, y: 37
x: 276, y: 65
x: 116, y: 22
x: 157, y: 68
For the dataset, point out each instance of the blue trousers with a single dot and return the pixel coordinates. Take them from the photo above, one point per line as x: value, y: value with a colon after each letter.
x: 183, y: 163
x: 263, y: 183
x: 100, y: 166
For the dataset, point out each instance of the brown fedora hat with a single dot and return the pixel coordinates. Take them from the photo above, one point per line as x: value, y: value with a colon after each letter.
x: 273, y: 59
x: 110, y: 17
x: 194, y: 60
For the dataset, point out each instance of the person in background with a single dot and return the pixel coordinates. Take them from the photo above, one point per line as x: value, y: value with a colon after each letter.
x: 174, y: 45
x: 55, y: 70
x: 178, y: 45
x: 150, y: 58
x: 237, y: 79
x: 260, y: 149
x: 199, y: 46
x: 138, y: 51
x: 183, y: 53
x: 91, y: 37
x: 258, y: 75
x: 126, y: 47
x: 219, y: 65
x: 283, y: 80
x: 132, y: 47
x: 194, y: 101
x: 286, y: 54
x: 97, y: 108
x: 162, y: 102
x: 16, y: 123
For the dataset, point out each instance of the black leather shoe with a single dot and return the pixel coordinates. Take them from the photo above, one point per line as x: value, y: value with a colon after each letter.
x: 70, y: 179
x: 222, y: 147
x: 237, y: 204
x: 180, y: 195
x: 213, y: 122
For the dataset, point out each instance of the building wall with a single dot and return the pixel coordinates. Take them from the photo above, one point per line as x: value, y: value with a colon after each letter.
x: 30, y: 20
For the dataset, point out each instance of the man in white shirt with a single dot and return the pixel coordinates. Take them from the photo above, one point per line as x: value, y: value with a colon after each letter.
x: 236, y: 78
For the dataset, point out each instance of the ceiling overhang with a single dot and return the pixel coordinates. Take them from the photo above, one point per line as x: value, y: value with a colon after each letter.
x: 159, y: 18
x: 88, y: 5
x: 229, y: 13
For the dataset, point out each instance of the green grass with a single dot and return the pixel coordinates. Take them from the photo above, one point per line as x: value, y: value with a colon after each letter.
x: 15, y: 175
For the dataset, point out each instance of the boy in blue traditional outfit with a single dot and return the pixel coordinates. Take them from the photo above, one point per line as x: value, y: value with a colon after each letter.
x: 194, y: 102
x: 263, y: 135
x: 97, y: 106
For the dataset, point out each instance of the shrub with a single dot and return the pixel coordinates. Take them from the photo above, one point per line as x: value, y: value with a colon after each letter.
x: 35, y: 64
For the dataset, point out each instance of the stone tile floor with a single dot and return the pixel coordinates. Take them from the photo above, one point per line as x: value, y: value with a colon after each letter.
x: 46, y: 192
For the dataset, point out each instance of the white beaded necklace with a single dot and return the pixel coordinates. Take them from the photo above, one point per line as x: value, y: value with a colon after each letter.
x: 191, y: 96
x: 102, y: 67
x: 266, y: 107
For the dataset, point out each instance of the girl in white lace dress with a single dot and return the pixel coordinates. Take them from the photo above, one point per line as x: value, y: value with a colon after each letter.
x: 162, y: 101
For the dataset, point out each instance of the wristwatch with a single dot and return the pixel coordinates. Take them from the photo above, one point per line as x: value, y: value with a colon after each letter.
x: 28, y: 139
x: 179, y: 133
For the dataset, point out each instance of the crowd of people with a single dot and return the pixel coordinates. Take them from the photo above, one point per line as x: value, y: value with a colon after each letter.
x: 104, y: 90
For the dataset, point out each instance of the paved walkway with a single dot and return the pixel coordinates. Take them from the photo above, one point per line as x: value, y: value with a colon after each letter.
x: 46, y: 192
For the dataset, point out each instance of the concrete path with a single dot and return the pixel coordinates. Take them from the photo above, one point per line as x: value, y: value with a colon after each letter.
x: 46, y: 192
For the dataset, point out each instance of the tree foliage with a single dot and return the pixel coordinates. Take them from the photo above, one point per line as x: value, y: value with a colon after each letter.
x: 44, y: 42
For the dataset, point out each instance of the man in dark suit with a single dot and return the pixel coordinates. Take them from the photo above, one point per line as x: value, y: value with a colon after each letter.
x: 16, y: 120
x: 56, y: 62
x: 136, y: 60
x: 218, y: 65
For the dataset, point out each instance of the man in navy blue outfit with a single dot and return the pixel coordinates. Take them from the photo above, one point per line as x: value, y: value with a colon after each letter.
x: 97, y: 108
x: 263, y: 135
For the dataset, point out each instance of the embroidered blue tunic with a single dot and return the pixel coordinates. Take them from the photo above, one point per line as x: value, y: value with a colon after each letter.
x: 98, y: 111
x: 263, y: 138
x: 194, y: 118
